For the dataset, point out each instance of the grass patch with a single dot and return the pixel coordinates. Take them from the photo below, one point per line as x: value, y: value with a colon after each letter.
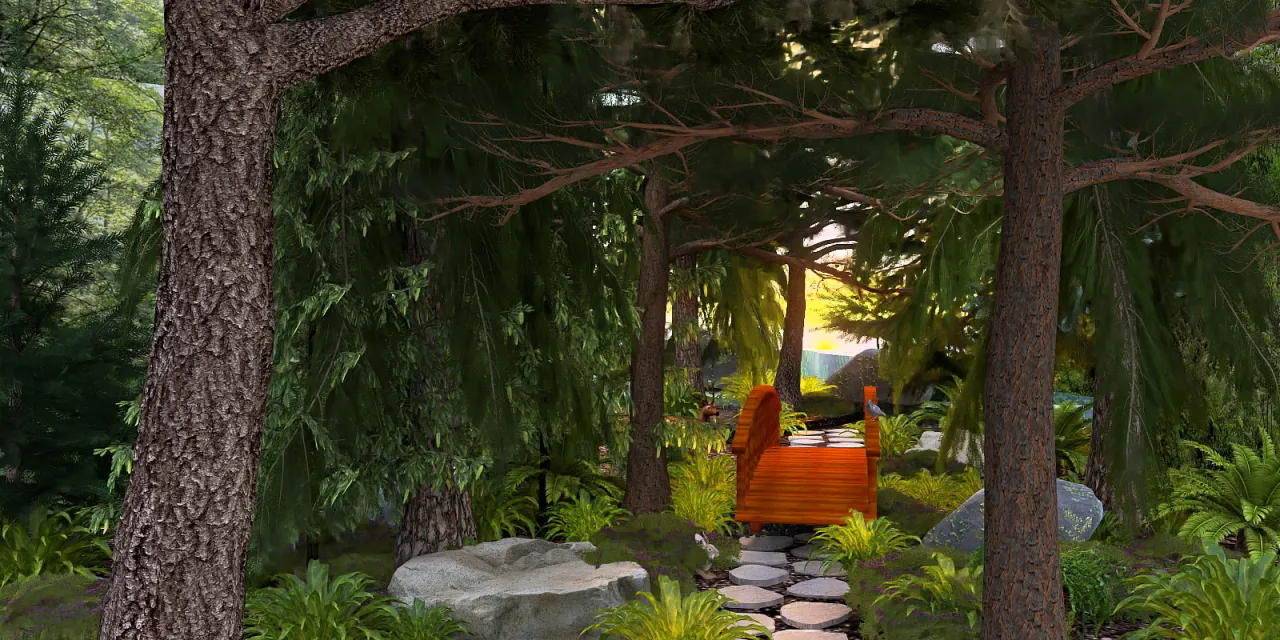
x: 913, y: 462
x: 911, y: 516
x: 51, y: 607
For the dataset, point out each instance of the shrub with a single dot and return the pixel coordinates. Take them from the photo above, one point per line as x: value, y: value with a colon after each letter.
x: 49, y: 544
x: 897, y: 434
x: 704, y: 492
x: 1210, y: 598
x: 671, y: 616
x: 912, y: 462
x: 51, y: 607
x: 578, y: 519
x: 501, y: 512
x: 911, y: 516
x: 945, y: 492
x: 856, y: 540
x: 729, y: 548
x: 1241, y: 496
x: 1092, y: 583
x: 942, y: 589
x: 662, y: 543
x: 1071, y: 437
x: 318, y: 607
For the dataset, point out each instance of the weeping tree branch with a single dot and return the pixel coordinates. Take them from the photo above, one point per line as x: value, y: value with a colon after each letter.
x: 299, y: 51
x: 1152, y: 58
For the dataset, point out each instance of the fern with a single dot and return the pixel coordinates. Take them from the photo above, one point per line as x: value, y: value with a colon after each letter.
x: 671, y: 616
x: 49, y: 544
x: 1071, y: 437
x: 857, y: 539
x: 942, y: 589
x: 1210, y: 598
x: 578, y: 519
x: 1241, y: 496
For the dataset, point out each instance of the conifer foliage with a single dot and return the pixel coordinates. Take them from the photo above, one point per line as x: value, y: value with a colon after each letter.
x: 65, y: 360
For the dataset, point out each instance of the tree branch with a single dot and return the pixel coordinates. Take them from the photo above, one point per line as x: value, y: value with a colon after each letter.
x: 277, y: 10
x: 1150, y: 60
x: 299, y: 51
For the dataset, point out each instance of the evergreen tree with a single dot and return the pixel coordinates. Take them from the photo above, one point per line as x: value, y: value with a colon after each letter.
x: 63, y: 367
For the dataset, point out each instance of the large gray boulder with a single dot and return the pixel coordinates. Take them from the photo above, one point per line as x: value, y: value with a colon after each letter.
x: 1079, y: 513
x: 518, y: 588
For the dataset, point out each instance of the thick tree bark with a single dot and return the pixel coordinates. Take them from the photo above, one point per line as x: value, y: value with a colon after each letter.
x: 648, y: 485
x: 179, y: 553
x: 684, y: 327
x: 787, y: 379
x: 1022, y: 592
x: 436, y: 518
x: 1097, y: 472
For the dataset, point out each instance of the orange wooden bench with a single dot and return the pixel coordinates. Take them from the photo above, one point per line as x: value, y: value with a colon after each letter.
x: 800, y: 485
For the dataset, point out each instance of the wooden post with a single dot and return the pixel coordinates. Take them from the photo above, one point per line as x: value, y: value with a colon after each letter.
x: 871, y: 440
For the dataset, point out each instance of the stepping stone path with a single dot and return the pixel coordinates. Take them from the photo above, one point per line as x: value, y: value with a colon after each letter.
x: 766, y: 558
x: 815, y: 615
x: 814, y: 568
x: 758, y: 575
x: 807, y: 552
x: 775, y: 584
x: 760, y: 619
x: 819, y: 589
x: 750, y: 598
x: 843, y: 439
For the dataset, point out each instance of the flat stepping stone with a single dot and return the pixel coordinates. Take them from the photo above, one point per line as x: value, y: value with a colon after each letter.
x: 805, y: 440
x: 848, y: 445
x: 815, y: 615
x: 807, y: 552
x: 802, y: 538
x: 805, y: 634
x: 766, y: 558
x: 758, y: 575
x: 760, y: 619
x: 807, y: 433
x: 814, y: 568
x: 846, y: 439
x: 766, y: 543
x: 820, y: 589
x: 843, y: 433
x: 749, y: 598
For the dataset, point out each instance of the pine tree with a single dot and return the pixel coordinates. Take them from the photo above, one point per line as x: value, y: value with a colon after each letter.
x: 63, y: 367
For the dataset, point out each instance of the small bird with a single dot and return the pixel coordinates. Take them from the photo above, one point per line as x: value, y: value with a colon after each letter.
x: 875, y: 410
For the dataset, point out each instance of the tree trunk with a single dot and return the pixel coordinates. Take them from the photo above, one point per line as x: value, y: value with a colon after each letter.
x: 1022, y: 591
x: 179, y: 553
x: 648, y: 485
x: 436, y: 518
x: 1097, y: 472
x: 684, y: 326
x: 787, y: 379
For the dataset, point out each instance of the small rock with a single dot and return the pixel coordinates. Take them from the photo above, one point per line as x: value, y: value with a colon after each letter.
x: 758, y: 575
x: 815, y: 615
x: 820, y: 589
x: 760, y: 619
x: 749, y: 598
x: 814, y: 568
x: 847, y: 445
x: 806, y: 634
x: 766, y: 558
x: 766, y: 543
x: 802, y: 538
